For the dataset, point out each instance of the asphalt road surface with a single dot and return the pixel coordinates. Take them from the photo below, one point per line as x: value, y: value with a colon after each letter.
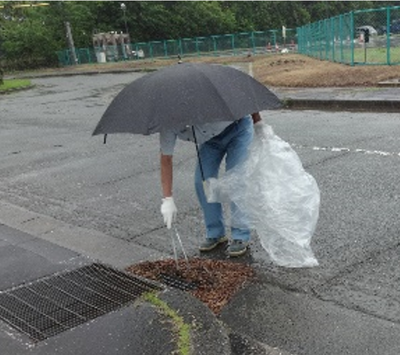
x: 50, y: 164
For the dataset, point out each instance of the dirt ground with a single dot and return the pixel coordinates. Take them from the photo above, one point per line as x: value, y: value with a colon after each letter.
x: 301, y: 71
x: 279, y: 70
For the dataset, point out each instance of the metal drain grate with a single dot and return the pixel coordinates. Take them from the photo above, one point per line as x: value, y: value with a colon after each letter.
x: 52, y: 305
x: 177, y: 282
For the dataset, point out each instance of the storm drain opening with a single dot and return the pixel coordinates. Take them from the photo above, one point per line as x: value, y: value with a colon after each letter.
x: 52, y: 305
x: 177, y: 282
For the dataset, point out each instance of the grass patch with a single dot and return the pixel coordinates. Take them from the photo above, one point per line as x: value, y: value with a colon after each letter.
x: 182, y: 329
x: 376, y: 56
x: 11, y: 84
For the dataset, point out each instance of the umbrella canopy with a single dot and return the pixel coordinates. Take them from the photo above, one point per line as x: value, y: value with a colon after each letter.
x: 185, y: 94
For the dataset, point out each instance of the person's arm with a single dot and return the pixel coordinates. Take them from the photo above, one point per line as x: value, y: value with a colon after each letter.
x: 168, y: 208
x: 256, y: 117
x: 166, y: 175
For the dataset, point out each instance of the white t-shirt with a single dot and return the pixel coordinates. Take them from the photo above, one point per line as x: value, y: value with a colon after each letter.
x: 203, y: 133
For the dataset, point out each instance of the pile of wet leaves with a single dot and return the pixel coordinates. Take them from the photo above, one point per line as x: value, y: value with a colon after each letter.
x: 213, y: 282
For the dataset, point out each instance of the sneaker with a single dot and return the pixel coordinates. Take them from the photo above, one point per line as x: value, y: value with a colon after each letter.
x: 237, y: 247
x: 211, y: 243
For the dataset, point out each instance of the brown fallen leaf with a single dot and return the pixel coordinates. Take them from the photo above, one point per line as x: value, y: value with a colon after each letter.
x: 216, y: 281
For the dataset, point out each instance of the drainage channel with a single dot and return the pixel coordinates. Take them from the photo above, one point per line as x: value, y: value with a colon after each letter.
x: 177, y: 282
x: 54, y: 304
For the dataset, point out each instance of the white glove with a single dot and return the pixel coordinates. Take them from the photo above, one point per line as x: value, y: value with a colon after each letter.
x: 168, y: 210
x: 258, y: 127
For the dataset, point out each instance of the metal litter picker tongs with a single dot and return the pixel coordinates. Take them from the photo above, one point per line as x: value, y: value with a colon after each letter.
x: 175, y: 235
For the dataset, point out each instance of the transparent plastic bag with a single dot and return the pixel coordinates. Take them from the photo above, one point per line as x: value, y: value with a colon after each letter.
x: 280, y: 199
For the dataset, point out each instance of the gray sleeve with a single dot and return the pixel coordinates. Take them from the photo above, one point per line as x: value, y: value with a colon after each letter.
x: 167, y: 142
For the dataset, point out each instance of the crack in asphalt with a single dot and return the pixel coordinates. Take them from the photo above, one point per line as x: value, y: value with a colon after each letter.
x: 351, y: 267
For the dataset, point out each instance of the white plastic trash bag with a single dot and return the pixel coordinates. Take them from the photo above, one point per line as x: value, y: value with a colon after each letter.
x: 280, y: 198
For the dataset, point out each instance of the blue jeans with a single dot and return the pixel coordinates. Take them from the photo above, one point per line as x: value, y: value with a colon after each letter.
x: 232, y: 142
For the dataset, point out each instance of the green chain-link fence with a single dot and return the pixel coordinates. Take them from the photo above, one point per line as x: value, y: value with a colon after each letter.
x: 260, y: 42
x: 344, y: 38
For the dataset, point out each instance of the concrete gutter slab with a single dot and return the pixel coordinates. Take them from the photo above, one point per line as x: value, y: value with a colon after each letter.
x: 24, y: 258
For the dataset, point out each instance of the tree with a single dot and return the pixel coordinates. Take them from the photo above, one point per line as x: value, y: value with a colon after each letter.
x: 38, y: 32
x: 153, y: 21
x: 26, y: 40
x: 78, y: 14
x: 172, y: 20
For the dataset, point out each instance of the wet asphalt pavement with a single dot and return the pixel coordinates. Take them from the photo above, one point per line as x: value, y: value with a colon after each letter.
x: 55, y: 177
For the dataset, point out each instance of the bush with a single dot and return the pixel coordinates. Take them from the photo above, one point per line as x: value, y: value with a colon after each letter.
x: 28, y: 63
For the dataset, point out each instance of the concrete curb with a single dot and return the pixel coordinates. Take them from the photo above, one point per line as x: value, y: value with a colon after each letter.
x: 209, y: 335
x: 389, y: 106
x: 390, y: 83
x: 73, y: 73
x: 343, y: 105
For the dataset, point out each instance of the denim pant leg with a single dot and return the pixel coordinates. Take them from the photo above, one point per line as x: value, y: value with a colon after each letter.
x: 236, y: 152
x: 232, y: 142
x: 211, y: 155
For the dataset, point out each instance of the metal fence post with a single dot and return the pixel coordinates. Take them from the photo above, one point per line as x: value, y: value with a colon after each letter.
x: 151, y: 50
x: 319, y: 38
x: 388, y: 59
x: 352, y: 37
x: 214, y: 45
x: 341, y: 34
x: 165, y: 49
x: 299, y: 39
x: 180, y: 46
x: 274, y: 37
x: 332, y: 37
x: 252, y: 42
x: 197, y: 46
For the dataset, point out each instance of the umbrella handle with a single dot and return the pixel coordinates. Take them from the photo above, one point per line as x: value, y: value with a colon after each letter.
x: 198, y: 154
x: 105, y: 139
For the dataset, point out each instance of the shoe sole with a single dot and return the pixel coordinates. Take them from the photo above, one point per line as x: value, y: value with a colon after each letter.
x: 238, y: 253
x: 213, y: 246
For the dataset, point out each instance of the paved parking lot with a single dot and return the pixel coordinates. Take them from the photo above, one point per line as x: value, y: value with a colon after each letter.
x: 55, y: 177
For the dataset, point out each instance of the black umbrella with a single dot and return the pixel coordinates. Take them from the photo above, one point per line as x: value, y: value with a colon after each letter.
x: 185, y: 94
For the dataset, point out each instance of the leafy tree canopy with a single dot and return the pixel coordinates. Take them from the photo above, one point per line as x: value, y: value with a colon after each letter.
x: 29, y: 29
